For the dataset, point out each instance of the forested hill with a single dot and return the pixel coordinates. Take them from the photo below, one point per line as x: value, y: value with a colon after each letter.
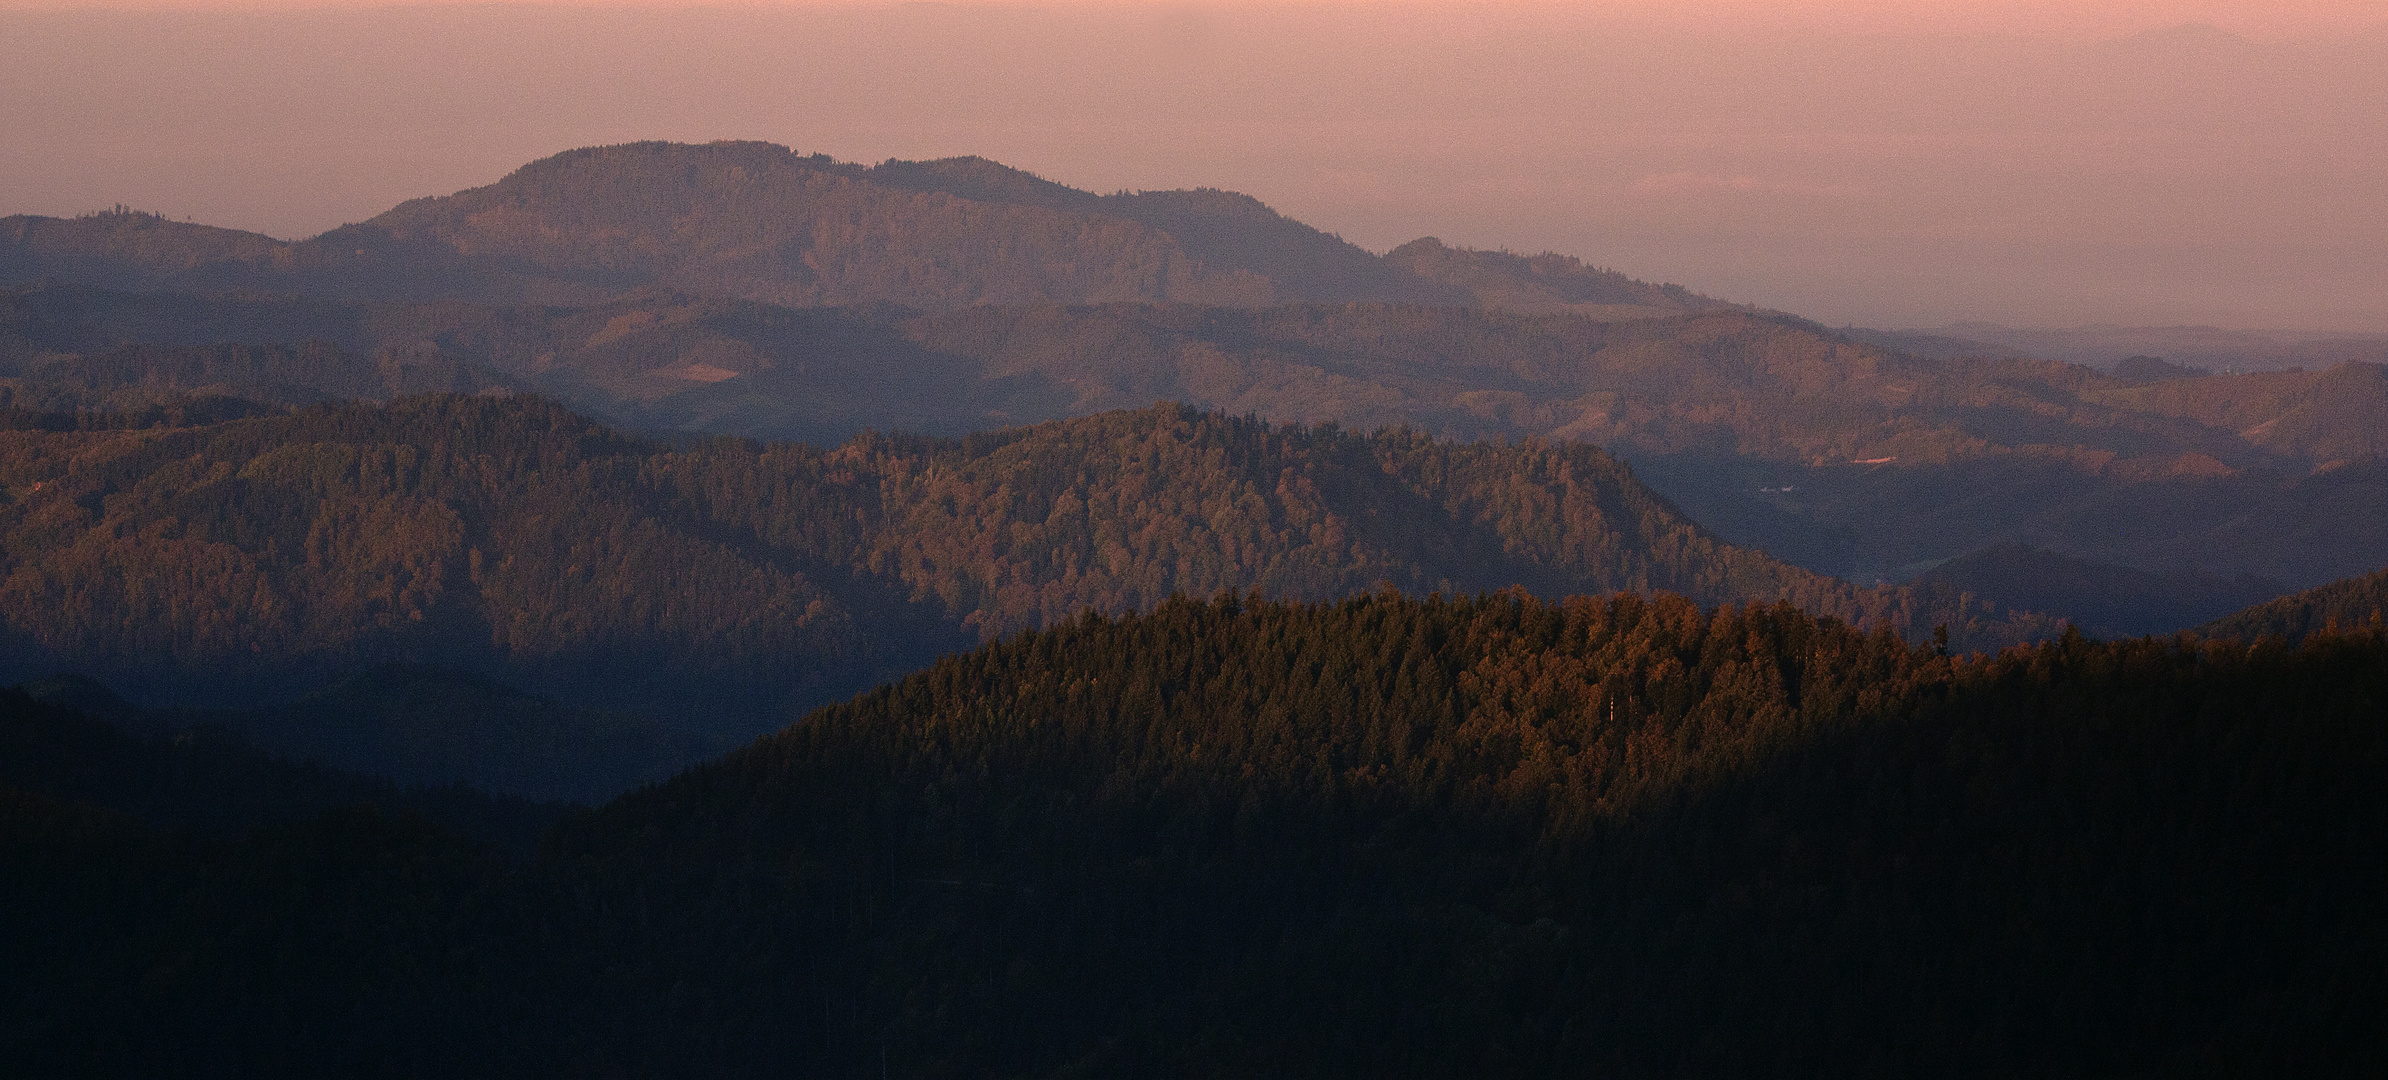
x: 2350, y: 604
x: 757, y: 221
x: 509, y: 536
x: 1382, y: 837
x: 1775, y: 433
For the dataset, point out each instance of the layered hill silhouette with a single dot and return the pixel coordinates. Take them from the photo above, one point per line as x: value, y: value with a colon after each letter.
x: 1839, y: 456
x: 757, y: 221
x: 1356, y: 710
x: 1390, y: 836
x: 741, y: 288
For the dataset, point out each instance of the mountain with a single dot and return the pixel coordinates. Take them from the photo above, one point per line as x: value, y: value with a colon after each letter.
x: 740, y: 288
x: 756, y: 221
x: 2348, y: 605
x: 752, y: 221
x: 1389, y: 836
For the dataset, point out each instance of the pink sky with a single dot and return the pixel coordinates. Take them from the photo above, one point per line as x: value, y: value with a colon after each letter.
x: 1886, y: 164
x: 2258, y: 20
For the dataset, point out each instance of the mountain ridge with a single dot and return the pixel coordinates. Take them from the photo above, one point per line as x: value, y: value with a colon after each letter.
x: 731, y: 582
x: 759, y: 221
x: 1757, y: 424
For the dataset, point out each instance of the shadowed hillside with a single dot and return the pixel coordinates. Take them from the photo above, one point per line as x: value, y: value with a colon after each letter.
x: 1385, y: 837
x: 212, y: 781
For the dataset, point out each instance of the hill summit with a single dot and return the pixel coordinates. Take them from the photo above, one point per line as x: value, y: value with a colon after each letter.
x: 758, y: 221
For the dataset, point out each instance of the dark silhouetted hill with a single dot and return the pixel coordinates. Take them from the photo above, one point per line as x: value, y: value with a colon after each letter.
x: 1383, y: 836
x: 424, y: 726
x: 210, y: 779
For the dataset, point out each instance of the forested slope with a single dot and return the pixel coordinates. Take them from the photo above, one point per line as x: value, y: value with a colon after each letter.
x: 734, y: 579
x: 2350, y: 604
x: 1379, y: 837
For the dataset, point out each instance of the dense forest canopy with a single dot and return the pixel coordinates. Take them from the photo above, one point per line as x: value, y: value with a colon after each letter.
x: 1381, y: 836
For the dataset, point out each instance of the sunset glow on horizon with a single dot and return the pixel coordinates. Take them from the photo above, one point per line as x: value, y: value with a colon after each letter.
x: 2030, y: 162
x: 2264, y: 21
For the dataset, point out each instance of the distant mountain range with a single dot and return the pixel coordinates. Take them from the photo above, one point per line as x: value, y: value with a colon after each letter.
x: 759, y: 222
x: 740, y: 288
x: 2204, y: 348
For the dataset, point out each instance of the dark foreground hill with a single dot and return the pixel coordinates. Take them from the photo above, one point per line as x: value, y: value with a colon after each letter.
x: 1382, y: 837
x: 108, y: 756
x: 726, y: 585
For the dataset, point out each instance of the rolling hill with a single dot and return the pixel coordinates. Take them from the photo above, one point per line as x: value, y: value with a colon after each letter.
x: 1389, y: 836
x: 1838, y: 456
x: 720, y: 586
x: 740, y: 288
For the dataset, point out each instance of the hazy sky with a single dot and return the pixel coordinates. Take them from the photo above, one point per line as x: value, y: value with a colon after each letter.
x: 1888, y: 164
